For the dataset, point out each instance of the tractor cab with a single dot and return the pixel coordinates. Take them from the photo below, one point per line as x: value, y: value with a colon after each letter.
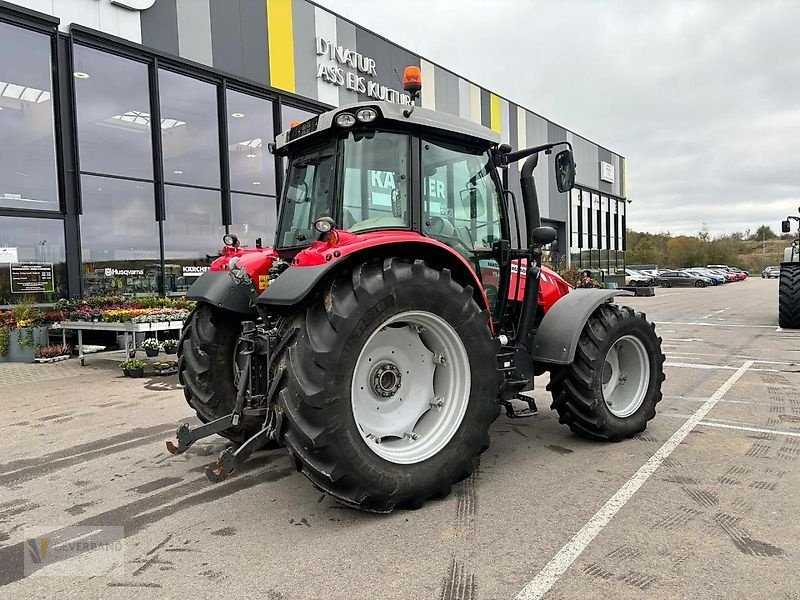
x: 370, y: 168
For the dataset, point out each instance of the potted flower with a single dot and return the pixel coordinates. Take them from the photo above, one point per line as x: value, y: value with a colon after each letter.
x: 51, y: 353
x: 170, y: 346
x: 151, y: 347
x: 133, y: 367
x: 165, y: 368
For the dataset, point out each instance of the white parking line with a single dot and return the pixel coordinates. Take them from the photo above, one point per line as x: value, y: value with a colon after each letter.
x: 558, y: 565
x: 707, y: 367
x: 724, y: 424
x: 702, y: 324
x: 755, y: 359
x: 716, y: 312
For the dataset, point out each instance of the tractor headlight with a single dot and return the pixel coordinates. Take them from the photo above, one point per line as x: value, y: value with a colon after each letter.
x: 324, y: 224
x: 230, y: 239
x: 345, y: 119
x: 367, y: 115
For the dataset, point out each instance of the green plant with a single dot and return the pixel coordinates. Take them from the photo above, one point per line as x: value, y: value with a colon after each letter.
x: 170, y: 344
x: 151, y: 344
x: 133, y: 364
x: 5, y: 334
x: 25, y: 337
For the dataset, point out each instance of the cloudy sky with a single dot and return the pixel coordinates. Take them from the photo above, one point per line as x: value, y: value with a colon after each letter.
x: 702, y: 98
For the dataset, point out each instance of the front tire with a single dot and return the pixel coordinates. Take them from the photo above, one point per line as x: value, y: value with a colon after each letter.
x: 789, y: 296
x: 700, y: 284
x: 611, y: 389
x: 351, y: 357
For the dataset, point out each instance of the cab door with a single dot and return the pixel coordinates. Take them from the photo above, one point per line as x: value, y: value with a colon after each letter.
x: 462, y: 207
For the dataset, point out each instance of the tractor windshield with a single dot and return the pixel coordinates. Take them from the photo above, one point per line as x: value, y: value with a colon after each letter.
x: 309, y: 193
x: 373, y: 167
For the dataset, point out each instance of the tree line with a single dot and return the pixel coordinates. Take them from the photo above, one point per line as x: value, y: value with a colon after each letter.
x: 749, y: 250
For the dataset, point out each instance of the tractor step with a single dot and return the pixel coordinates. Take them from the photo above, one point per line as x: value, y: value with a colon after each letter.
x: 515, y: 413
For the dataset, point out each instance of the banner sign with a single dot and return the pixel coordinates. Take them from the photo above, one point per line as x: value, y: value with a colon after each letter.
x: 8, y: 255
x: 194, y: 271
x: 31, y: 278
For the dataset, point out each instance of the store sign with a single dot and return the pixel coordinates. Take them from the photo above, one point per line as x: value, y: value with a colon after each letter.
x: 194, y: 271
x: 134, y: 4
x: 606, y: 172
x: 111, y: 272
x: 31, y: 278
x: 353, y: 71
x: 8, y: 254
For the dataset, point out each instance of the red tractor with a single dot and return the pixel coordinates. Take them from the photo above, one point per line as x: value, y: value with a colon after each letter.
x: 378, y: 339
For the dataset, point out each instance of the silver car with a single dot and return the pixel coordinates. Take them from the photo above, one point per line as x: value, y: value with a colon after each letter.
x: 770, y: 272
x: 668, y: 279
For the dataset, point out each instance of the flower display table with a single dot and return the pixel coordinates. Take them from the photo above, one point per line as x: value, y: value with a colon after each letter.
x: 127, y: 329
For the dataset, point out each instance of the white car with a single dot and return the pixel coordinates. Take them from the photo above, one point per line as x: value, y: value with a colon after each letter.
x: 635, y: 278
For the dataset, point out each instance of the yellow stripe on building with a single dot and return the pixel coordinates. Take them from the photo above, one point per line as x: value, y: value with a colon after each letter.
x: 280, y: 34
x: 497, y: 122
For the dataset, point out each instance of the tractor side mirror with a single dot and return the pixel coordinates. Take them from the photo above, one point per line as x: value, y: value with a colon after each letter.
x: 565, y: 171
x: 543, y: 235
x: 786, y: 227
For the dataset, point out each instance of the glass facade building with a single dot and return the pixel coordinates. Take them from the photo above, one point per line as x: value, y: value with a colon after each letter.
x: 134, y: 139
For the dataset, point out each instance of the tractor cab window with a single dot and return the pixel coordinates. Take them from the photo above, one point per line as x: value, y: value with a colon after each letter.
x: 308, y: 194
x: 375, y: 189
x: 460, y: 199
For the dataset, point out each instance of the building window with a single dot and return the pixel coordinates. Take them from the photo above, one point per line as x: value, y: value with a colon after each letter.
x: 189, y: 130
x: 28, y: 178
x: 250, y: 129
x: 113, y: 112
x: 35, y: 245
x: 119, y: 237
x: 290, y: 114
x: 253, y: 217
x: 192, y: 232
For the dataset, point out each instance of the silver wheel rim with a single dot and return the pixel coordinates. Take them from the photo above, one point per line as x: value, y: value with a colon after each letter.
x: 410, y: 388
x: 626, y: 376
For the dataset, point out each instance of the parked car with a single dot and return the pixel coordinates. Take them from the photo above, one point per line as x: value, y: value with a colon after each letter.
x: 715, y: 278
x: 738, y: 274
x: 682, y: 278
x: 726, y: 274
x: 770, y: 272
x: 636, y: 279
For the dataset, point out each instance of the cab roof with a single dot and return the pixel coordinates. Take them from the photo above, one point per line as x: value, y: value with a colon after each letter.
x: 390, y: 112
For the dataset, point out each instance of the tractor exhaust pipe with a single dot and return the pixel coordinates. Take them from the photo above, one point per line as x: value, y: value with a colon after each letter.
x: 523, y: 358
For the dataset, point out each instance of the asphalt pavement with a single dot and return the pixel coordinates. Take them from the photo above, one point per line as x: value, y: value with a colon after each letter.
x: 703, y: 504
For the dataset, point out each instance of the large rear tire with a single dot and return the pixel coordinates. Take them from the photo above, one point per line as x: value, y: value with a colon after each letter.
x: 390, y: 386
x: 206, y: 366
x: 611, y: 389
x: 789, y: 296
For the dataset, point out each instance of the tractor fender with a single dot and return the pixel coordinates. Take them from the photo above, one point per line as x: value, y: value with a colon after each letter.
x: 219, y: 289
x: 292, y: 286
x: 557, y: 337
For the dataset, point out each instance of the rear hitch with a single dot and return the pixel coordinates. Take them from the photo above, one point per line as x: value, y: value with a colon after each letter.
x: 187, y: 437
x: 230, y: 460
